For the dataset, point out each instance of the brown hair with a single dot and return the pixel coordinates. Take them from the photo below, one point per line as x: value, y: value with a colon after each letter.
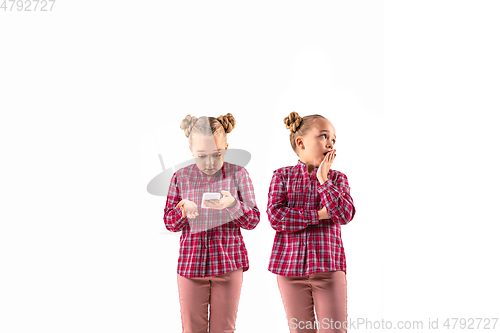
x: 207, y: 125
x: 299, y: 126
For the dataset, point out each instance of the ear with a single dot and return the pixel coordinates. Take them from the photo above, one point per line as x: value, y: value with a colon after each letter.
x: 299, y: 142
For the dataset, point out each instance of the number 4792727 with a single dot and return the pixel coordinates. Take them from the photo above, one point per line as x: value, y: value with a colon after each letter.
x: 27, y: 5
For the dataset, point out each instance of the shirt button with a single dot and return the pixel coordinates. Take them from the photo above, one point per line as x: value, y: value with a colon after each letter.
x: 343, y: 193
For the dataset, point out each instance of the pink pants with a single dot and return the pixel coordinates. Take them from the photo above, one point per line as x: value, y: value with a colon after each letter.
x: 325, y: 292
x: 222, y: 292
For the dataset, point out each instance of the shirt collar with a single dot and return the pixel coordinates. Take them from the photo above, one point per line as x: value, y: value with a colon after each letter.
x: 303, y: 168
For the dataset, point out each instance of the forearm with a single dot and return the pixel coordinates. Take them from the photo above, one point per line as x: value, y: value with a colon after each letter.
x: 244, y: 215
x: 286, y: 219
x: 338, y: 202
x: 173, y: 219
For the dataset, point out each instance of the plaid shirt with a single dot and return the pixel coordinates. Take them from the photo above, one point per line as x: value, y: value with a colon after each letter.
x: 211, y: 244
x: 304, y: 244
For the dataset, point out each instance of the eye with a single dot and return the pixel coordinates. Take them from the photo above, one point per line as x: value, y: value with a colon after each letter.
x: 323, y: 135
x: 201, y: 156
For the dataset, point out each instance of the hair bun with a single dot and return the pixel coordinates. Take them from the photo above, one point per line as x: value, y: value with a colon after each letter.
x: 228, y: 122
x: 293, y: 121
x: 187, y: 124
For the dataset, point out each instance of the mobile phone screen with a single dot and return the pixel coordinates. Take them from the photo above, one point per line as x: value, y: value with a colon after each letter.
x: 209, y: 196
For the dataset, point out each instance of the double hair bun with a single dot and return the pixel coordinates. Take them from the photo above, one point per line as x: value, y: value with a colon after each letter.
x: 228, y: 122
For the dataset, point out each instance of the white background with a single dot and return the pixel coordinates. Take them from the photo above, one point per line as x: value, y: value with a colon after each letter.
x: 93, y: 91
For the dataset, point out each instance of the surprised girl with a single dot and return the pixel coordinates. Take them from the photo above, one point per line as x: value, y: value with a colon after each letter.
x: 307, y: 204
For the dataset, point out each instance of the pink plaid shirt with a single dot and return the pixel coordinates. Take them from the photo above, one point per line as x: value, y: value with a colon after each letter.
x: 304, y: 244
x: 211, y: 244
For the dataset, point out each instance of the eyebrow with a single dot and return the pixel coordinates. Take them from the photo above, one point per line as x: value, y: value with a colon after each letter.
x: 202, y: 151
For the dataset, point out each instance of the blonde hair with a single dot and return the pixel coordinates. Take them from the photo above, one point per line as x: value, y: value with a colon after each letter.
x: 299, y: 126
x: 207, y: 126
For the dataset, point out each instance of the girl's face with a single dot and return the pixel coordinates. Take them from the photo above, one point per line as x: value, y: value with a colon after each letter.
x: 208, y: 152
x: 317, y: 142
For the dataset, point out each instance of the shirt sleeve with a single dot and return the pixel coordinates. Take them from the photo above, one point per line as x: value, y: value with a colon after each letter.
x: 173, y: 215
x: 281, y: 216
x: 245, y: 213
x: 337, y: 199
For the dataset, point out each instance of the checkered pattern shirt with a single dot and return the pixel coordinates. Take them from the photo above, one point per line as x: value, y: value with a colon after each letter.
x: 304, y: 244
x: 211, y: 244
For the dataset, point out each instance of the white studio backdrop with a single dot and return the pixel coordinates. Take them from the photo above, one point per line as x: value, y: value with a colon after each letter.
x: 92, y: 92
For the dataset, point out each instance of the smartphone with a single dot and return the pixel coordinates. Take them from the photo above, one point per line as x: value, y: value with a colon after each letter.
x: 209, y: 196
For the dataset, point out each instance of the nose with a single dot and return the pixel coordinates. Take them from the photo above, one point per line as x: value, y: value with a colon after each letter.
x: 210, y: 161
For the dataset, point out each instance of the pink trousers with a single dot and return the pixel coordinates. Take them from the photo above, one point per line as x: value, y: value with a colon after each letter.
x: 325, y: 292
x: 222, y: 292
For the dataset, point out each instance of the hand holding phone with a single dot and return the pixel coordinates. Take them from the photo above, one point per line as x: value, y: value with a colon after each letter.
x: 226, y: 201
x: 209, y: 196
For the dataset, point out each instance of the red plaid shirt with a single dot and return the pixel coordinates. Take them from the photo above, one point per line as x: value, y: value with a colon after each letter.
x: 304, y: 244
x: 211, y: 244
